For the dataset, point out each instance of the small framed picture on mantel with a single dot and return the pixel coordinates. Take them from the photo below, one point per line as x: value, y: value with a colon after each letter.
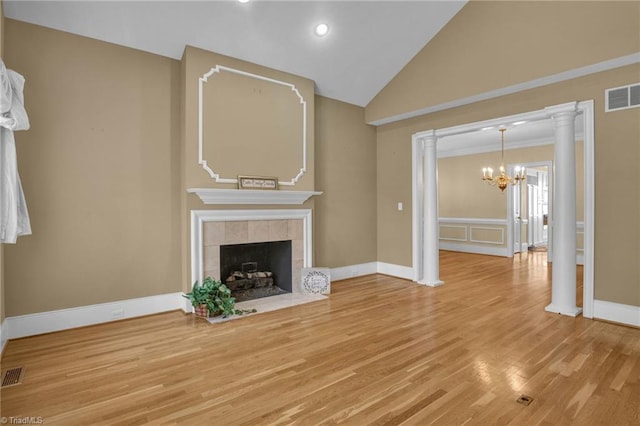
x: 257, y: 182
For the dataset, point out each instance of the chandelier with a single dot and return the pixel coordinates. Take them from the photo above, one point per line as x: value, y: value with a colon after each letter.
x: 502, y: 180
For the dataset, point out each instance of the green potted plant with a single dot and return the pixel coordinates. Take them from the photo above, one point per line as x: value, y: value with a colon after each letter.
x: 213, y: 298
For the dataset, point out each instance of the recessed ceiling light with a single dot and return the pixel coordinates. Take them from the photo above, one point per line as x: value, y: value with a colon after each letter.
x: 321, y: 30
x: 488, y: 128
x: 517, y: 123
x: 243, y: 1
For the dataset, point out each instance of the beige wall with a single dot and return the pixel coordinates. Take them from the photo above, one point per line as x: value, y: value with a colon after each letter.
x: 100, y: 169
x: 617, y: 233
x: 464, y: 195
x: 345, y: 220
x: 490, y: 45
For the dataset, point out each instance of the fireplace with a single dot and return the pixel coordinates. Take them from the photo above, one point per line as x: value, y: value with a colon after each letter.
x: 255, y: 270
x: 213, y: 229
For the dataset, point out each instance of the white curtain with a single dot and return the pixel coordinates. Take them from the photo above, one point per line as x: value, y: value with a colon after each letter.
x: 14, y: 217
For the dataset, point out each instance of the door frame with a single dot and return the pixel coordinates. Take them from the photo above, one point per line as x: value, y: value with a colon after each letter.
x: 511, y: 188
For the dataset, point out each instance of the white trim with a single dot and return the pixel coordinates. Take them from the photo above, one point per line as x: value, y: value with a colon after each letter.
x: 454, y: 239
x: 198, y: 217
x: 4, y: 334
x: 474, y: 220
x: 488, y: 228
x: 417, y: 207
x: 588, y: 224
x: 475, y: 249
x: 532, y: 84
x: 219, y: 68
x: 63, y: 319
x: 616, y: 312
x: 399, y: 271
x: 580, y: 251
x: 249, y: 196
x: 344, y: 272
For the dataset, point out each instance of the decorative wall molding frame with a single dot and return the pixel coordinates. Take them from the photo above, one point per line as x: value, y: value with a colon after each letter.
x: 486, y: 228
x: 466, y: 237
x: 63, y: 319
x: 617, y: 312
x: 203, y: 162
x: 198, y: 217
x: 254, y: 197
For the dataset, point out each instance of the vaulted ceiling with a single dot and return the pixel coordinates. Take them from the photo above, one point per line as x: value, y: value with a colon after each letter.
x: 368, y: 42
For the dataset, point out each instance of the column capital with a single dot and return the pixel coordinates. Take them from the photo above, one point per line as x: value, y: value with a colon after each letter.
x: 570, y: 108
x: 426, y: 136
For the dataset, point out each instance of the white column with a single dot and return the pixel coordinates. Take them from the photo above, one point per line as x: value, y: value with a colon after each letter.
x: 563, y: 278
x: 431, y: 259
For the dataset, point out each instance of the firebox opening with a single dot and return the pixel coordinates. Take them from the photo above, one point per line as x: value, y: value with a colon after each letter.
x: 256, y: 270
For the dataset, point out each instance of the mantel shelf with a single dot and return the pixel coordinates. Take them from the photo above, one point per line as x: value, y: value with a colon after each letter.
x: 250, y: 196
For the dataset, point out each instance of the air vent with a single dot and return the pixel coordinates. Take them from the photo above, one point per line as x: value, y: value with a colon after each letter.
x: 622, y: 97
x: 12, y: 376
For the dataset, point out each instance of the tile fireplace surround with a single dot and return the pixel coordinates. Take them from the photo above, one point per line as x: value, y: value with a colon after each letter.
x: 212, y: 228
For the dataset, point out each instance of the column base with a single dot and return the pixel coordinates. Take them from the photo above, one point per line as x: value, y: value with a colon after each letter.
x: 570, y: 311
x: 436, y: 283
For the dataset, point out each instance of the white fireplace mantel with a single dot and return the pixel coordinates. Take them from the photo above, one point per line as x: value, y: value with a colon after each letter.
x: 249, y: 196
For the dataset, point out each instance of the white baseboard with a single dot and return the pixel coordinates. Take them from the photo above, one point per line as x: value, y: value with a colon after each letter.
x: 616, y: 312
x: 475, y: 249
x: 351, y: 271
x: 46, y: 322
x: 399, y: 271
x: 4, y: 334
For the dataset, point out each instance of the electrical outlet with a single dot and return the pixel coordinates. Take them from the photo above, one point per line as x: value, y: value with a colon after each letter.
x: 117, y: 313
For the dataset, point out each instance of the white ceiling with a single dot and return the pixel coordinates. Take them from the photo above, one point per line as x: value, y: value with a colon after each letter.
x: 368, y: 44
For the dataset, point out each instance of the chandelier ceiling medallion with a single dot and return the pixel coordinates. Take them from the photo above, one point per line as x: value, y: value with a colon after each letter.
x: 502, y: 180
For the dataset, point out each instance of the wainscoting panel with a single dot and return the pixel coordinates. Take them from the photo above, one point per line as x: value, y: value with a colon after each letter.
x: 453, y: 233
x: 486, y: 235
x: 473, y: 235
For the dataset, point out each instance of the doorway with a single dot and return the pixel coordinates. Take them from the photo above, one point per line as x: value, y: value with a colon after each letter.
x: 530, y: 209
x: 422, y: 221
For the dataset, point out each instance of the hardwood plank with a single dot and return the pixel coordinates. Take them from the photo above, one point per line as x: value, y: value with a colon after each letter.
x: 380, y: 350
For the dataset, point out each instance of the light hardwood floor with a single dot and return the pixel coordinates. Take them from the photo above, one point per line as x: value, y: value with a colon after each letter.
x: 380, y: 350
